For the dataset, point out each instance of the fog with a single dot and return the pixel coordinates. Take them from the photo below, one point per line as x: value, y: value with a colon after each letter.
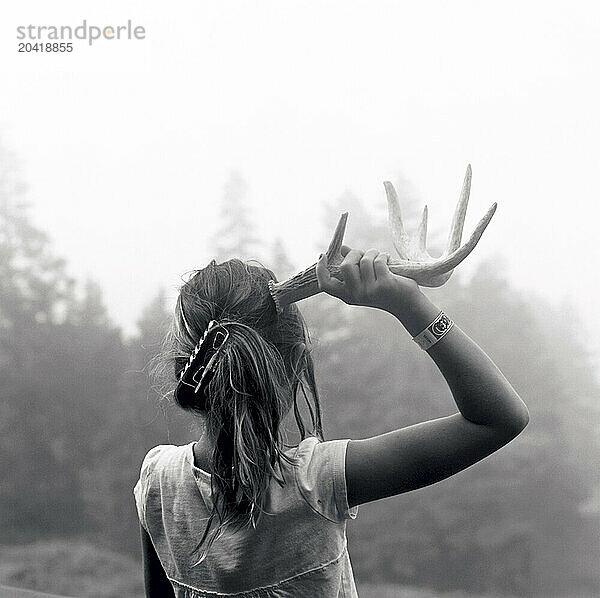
x: 126, y: 146
x: 124, y: 149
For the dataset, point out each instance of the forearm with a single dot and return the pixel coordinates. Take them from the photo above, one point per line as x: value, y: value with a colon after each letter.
x: 481, y: 392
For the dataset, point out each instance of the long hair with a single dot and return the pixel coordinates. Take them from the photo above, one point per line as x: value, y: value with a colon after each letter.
x: 262, y: 371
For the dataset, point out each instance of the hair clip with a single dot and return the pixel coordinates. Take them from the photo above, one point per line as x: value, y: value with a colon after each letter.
x: 205, y: 369
x: 194, y: 377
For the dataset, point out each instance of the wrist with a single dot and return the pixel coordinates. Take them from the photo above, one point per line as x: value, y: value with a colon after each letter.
x: 414, y: 311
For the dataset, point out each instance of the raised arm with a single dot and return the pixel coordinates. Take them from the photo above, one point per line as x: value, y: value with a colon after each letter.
x: 490, y: 413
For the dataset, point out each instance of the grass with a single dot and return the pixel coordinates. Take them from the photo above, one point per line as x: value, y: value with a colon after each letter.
x: 368, y: 590
x: 77, y: 568
x: 70, y: 568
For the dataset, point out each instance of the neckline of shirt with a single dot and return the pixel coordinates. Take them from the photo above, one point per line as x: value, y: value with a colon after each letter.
x: 189, y: 453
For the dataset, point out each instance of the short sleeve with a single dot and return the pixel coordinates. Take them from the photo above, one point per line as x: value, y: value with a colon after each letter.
x: 321, y: 477
x: 140, y: 490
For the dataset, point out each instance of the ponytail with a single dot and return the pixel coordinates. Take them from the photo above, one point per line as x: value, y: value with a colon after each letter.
x: 246, y: 399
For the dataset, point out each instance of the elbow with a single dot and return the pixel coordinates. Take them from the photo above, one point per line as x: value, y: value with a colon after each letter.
x: 513, y: 419
x: 518, y: 421
x: 523, y: 420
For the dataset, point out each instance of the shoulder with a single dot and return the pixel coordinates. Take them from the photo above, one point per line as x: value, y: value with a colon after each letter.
x: 320, y: 471
x: 157, y: 461
x: 156, y: 456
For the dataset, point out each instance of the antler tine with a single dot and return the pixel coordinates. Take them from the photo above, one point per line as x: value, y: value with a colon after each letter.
x: 422, y: 232
x: 334, y: 249
x: 305, y: 284
x: 399, y: 237
x: 424, y: 272
x: 458, y: 221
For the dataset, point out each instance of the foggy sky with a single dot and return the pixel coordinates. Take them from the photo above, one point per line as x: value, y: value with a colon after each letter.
x: 126, y: 146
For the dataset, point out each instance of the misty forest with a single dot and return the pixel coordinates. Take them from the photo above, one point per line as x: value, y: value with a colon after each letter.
x: 78, y: 412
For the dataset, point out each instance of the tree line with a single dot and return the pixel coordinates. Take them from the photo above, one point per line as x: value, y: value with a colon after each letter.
x: 78, y: 412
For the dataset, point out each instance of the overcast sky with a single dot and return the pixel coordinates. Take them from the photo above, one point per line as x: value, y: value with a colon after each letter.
x: 126, y: 145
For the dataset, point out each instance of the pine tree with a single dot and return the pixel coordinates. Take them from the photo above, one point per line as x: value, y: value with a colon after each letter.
x: 38, y: 488
x: 281, y: 264
x: 235, y: 237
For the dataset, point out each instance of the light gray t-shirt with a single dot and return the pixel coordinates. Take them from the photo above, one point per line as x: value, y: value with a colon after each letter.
x: 296, y: 550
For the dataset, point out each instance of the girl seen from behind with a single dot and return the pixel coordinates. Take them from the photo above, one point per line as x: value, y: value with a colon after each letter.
x: 240, y: 513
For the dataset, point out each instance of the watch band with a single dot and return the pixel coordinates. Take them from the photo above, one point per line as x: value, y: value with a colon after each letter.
x: 434, y: 332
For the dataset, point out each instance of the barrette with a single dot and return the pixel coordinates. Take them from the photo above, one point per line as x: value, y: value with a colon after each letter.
x: 194, y: 377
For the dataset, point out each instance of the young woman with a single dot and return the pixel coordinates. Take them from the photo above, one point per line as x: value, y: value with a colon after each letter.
x: 238, y: 514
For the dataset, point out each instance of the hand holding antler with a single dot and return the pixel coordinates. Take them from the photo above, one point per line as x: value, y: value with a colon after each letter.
x: 367, y: 280
x: 415, y: 262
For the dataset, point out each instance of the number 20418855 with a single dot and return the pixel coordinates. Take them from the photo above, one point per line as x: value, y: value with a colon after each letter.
x: 45, y: 47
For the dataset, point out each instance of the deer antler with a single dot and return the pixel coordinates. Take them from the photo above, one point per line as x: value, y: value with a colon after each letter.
x: 415, y: 261
x: 305, y: 283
